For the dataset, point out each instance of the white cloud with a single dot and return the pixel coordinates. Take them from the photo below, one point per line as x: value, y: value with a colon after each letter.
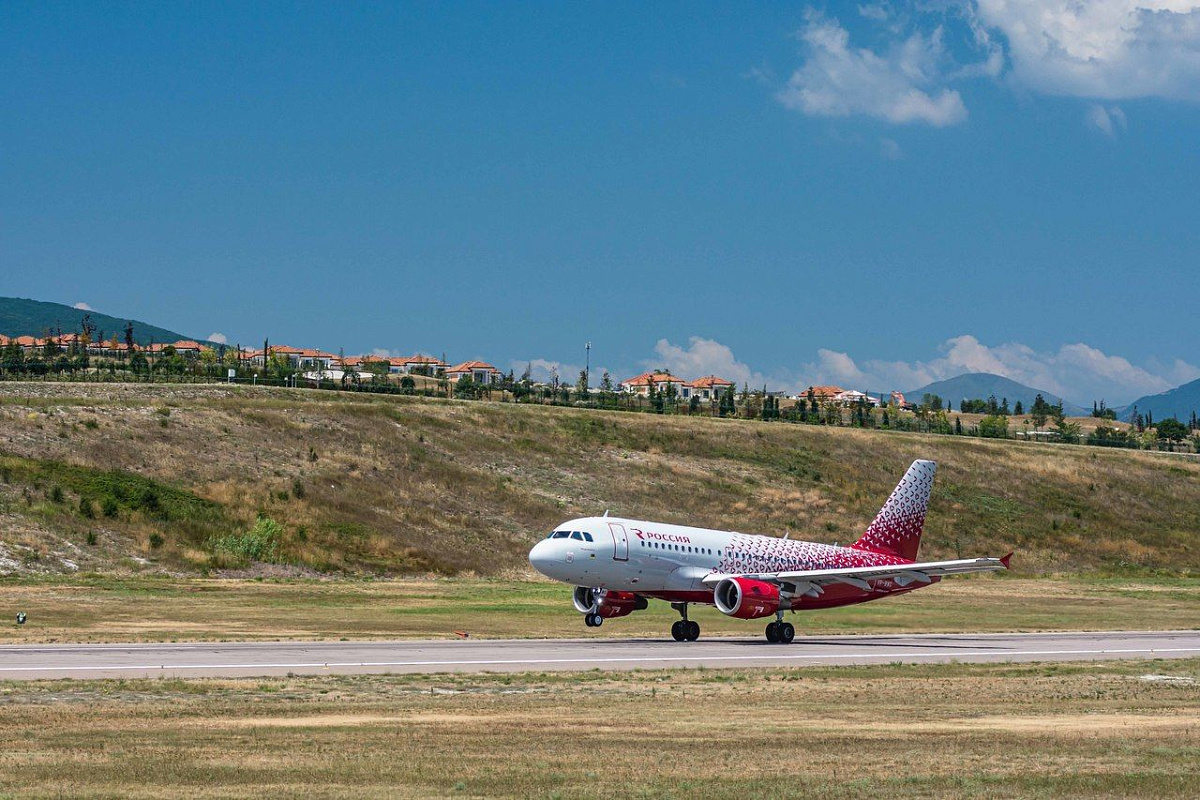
x: 874, y: 11
x: 1078, y: 372
x: 703, y: 357
x: 1105, y: 49
x: 900, y: 84
x: 219, y: 338
x: 83, y: 306
x: 889, y: 149
x: 1106, y: 120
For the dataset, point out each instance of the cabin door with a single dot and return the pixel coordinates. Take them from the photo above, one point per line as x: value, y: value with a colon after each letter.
x: 620, y: 541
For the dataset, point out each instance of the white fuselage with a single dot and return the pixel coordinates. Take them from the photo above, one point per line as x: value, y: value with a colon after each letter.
x: 661, y: 559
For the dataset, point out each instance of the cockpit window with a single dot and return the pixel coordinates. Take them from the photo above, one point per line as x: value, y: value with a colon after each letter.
x: 577, y: 536
x: 587, y: 537
x: 560, y: 534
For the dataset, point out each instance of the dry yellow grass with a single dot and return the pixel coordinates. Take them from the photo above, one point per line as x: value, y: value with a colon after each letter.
x: 394, y: 485
x: 930, y: 731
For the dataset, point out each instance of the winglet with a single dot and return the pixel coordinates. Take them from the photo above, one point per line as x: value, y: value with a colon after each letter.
x: 1006, y: 559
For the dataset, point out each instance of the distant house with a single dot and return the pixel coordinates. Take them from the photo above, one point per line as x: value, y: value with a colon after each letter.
x: 710, y: 387
x: 478, y: 371
x: 418, y: 365
x: 822, y: 394
x: 640, y: 384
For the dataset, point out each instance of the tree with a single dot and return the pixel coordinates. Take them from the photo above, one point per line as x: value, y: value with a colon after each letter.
x: 1172, y: 430
x: 728, y: 404
x: 1019, y: 409
x: 129, y: 338
x: 958, y: 426
x: 1067, y: 431
x: 465, y: 388
x: 1004, y: 407
x: 1039, y: 412
x: 606, y: 384
x: 408, y: 385
x: 994, y: 426
x: 581, y: 386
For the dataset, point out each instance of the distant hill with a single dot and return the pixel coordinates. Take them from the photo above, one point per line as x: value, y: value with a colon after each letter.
x: 1179, y: 402
x: 982, y: 385
x: 21, y: 317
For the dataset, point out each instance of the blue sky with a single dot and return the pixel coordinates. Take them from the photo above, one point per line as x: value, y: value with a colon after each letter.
x: 874, y: 194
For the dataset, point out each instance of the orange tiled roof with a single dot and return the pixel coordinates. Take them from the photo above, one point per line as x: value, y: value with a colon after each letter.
x: 709, y: 382
x: 657, y: 377
x: 467, y: 366
x: 823, y: 391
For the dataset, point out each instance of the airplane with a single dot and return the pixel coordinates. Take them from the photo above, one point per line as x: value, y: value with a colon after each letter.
x: 617, y: 565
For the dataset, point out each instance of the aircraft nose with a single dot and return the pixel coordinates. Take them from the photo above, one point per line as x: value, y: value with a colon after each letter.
x: 541, y: 557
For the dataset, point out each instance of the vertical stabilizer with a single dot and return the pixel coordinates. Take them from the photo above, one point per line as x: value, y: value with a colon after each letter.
x: 896, y: 530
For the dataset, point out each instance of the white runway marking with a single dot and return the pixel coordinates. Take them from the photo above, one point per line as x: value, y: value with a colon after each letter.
x: 621, y: 660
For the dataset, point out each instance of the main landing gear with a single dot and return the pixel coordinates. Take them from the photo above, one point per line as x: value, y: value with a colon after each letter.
x: 593, y: 620
x: 780, y: 632
x: 684, y: 630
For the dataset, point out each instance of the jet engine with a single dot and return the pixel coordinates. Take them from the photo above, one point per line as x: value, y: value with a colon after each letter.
x: 746, y: 598
x: 606, y: 602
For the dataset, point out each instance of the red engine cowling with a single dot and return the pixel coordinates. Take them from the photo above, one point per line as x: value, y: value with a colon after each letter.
x: 745, y: 598
x: 608, y: 603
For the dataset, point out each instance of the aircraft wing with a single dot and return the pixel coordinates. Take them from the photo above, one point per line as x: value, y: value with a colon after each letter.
x: 919, y: 572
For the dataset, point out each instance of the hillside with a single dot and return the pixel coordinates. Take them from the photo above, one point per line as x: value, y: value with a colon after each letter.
x: 981, y: 385
x: 149, y: 477
x: 21, y: 317
x: 1180, y: 403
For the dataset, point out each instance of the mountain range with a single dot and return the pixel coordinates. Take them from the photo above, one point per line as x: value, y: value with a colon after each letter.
x: 981, y: 385
x: 1180, y: 403
x: 23, y: 317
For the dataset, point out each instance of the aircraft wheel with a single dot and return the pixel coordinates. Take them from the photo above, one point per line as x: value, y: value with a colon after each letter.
x: 678, y: 633
x: 786, y: 633
x: 773, y: 632
x: 597, y: 620
x: 693, y: 631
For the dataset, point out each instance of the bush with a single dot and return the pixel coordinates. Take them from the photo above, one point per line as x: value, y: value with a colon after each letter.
x: 994, y: 427
x: 297, y: 489
x: 156, y: 541
x: 85, y: 508
x: 109, y: 506
x: 91, y: 538
x: 56, y: 494
x: 260, y: 543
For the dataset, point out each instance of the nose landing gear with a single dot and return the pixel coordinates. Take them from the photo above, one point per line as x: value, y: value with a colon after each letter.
x: 684, y: 630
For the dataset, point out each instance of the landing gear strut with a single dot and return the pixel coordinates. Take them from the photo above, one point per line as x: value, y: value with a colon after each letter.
x: 780, y: 632
x: 593, y: 620
x: 684, y: 630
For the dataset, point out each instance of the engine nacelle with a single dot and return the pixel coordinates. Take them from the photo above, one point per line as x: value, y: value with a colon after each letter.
x: 745, y: 598
x: 608, y: 603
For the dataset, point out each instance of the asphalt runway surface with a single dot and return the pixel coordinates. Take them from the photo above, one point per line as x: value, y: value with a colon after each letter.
x: 231, y: 659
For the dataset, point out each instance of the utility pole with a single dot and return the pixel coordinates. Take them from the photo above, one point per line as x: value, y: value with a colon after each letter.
x: 587, y: 366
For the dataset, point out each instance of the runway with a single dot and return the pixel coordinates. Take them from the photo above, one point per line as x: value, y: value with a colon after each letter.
x: 21, y: 662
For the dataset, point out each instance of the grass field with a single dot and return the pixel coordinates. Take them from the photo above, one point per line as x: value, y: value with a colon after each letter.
x: 107, y: 609
x: 1105, y: 730
x: 137, y: 478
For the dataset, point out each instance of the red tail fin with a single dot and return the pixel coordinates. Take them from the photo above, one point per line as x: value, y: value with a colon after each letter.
x: 896, y: 530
